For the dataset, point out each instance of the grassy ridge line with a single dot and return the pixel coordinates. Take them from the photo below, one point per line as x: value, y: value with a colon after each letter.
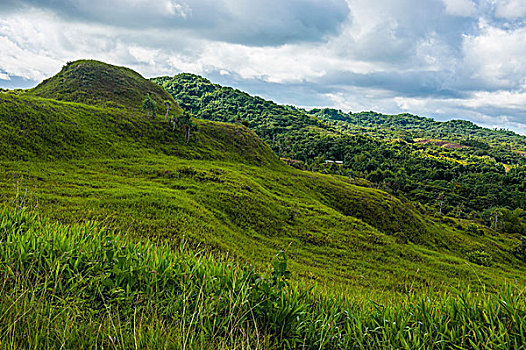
x: 97, y: 83
x: 84, y: 286
x: 43, y: 129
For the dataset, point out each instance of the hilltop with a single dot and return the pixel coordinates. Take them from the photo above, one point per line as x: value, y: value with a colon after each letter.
x: 97, y: 83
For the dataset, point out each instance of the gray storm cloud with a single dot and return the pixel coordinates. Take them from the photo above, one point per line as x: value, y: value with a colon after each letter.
x: 257, y: 22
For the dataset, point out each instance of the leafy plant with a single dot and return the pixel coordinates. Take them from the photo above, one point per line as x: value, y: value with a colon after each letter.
x: 520, y: 250
x: 474, y: 229
x: 185, y: 124
x: 280, y: 274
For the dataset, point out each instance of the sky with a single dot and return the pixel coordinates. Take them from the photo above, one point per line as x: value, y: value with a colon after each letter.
x: 445, y: 59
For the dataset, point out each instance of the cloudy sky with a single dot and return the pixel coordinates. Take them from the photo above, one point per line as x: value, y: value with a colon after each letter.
x: 446, y: 59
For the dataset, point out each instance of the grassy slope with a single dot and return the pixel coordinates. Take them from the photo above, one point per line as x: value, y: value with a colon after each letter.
x: 44, y: 129
x: 225, y: 189
x: 84, y: 286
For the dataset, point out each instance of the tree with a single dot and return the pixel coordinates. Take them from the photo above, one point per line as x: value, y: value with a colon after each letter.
x: 168, y: 107
x: 441, y: 202
x: 149, y: 105
x: 185, y: 124
x: 495, y: 215
x: 511, y: 221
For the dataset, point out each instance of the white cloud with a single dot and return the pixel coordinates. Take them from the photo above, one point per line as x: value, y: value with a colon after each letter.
x: 510, y: 9
x: 498, y: 99
x: 497, y: 56
x: 464, y: 8
x: 19, y: 61
x: 178, y: 9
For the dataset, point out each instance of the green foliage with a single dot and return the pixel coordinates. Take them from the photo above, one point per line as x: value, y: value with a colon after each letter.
x: 185, y: 125
x: 511, y: 221
x: 474, y: 168
x: 280, y: 274
x: 149, y: 105
x: 480, y: 257
x: 520, y: 250
x: 474, y: 229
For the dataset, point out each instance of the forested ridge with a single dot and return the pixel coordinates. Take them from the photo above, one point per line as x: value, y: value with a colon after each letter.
x: 454, y: 168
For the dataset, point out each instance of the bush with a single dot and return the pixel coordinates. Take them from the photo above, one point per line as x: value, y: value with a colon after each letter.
x: 480, y: 257
x: 474, y: 229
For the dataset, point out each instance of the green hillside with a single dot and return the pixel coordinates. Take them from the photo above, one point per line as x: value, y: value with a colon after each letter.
x: 222, y: 193
x: 412, y: 126
x: 37, y: 129
x: 97, y: 83
x: 225, y: 190
x: 454, y: 168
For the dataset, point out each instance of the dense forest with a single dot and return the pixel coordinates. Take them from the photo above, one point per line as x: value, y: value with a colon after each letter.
x: 453, y: 168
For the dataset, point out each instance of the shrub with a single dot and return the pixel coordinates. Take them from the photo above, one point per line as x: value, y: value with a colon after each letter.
x: 520, y: 250
x: 480, y: 257
x: 474, y: 229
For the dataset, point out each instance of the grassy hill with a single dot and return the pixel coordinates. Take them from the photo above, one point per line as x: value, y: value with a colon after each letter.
x: 38, y: 129
x: 224, y: 192
x: 97, y: 83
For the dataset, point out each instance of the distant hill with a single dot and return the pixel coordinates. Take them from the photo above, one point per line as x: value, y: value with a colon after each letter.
x: 453, y: 167
x: 413, y: 126
x: 211, y: 101
x: 97, y: 83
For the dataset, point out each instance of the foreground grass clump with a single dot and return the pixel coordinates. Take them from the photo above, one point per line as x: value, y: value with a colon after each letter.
x: 84, y: 286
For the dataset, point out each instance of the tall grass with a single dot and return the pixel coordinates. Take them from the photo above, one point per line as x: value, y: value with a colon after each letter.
x: 84, y: 286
